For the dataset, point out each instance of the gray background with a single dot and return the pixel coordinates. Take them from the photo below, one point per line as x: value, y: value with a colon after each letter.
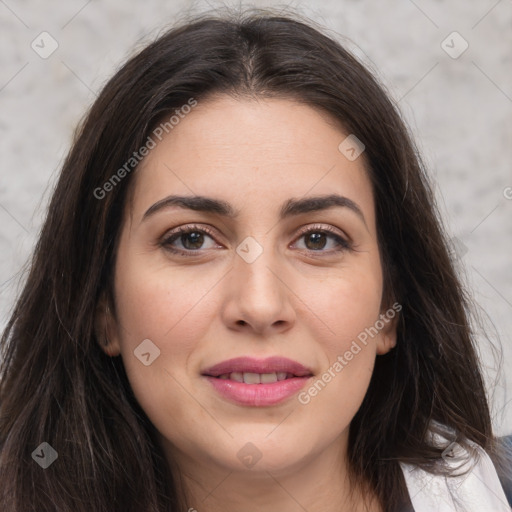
x: 459, y: 110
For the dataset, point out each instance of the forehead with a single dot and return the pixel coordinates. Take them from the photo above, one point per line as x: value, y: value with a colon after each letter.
x: 252, y: 152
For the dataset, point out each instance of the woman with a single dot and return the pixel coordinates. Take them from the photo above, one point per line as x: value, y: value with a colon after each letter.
x: 242, y: 298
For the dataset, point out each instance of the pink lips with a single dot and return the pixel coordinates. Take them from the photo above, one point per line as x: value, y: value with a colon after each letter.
x: 263, y: 394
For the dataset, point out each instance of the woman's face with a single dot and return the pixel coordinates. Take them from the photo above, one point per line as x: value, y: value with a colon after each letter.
x: 266, y: 267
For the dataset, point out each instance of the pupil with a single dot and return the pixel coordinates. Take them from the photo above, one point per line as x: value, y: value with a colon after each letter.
x: 317, y: 238
x: 195, y: 237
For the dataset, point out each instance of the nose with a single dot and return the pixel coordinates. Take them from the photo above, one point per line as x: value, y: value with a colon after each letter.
x: 258, y: 298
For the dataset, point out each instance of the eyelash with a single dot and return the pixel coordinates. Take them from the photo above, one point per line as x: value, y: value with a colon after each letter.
x: 344, y: 245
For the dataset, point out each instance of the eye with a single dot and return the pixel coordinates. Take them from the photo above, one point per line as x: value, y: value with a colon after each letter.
x: 191, y: 238
x: 317, y: 238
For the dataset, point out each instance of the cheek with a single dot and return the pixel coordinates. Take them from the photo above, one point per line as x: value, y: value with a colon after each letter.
x: 159, y: 302
x: 345, y: 305
x: 170, y: 308
x: 344, y: 309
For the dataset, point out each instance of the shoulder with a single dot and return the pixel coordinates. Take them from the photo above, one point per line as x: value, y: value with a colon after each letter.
x: 469, y: 483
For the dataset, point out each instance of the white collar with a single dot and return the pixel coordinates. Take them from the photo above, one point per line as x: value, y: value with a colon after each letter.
x: 479, y: 490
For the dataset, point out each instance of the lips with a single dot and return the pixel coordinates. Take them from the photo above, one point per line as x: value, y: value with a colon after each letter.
x: 245, y: 369
x: 257, y: 383
x: 256, y: 378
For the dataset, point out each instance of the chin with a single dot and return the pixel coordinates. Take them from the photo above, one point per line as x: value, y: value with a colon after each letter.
x: 261, y: 453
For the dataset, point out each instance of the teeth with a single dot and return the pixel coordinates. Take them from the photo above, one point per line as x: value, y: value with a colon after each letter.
x: 252, y: 378
x: 268, y: 378
x: 256, y: 378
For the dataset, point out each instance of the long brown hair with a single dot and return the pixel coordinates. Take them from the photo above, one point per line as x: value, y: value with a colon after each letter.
x: 58, y: 386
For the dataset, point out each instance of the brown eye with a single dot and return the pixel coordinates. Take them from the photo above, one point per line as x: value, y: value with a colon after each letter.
x: 315, y: 241
x: 192, y: 240
x: 189, y: 241
x: 323, y: 240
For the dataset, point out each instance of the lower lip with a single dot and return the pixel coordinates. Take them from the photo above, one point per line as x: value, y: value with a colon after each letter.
x: 258, y: 395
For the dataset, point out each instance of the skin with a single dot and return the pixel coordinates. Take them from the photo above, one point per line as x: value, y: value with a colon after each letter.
x: 294, y: 301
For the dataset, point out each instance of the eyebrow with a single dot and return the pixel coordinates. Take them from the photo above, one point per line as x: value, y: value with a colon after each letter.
x: 290, y: 208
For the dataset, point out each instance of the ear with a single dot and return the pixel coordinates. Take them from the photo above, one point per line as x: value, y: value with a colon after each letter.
x: 386, y: 340
x: 105, y: 328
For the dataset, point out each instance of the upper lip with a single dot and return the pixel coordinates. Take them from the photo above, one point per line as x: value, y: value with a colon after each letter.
x: 252, y: 365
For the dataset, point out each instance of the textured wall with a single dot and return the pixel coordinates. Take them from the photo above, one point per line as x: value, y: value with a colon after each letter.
x: 456, y: 96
